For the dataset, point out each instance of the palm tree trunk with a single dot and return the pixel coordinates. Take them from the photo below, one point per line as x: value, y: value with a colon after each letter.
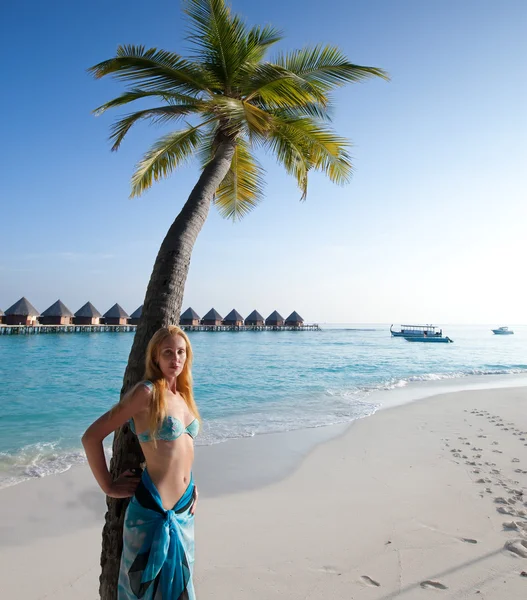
x: 162, y: 307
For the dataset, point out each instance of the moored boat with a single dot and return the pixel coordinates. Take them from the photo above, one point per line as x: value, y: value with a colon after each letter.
x: 417, y: 331
x: 502, y: 331
x: 429, y: 339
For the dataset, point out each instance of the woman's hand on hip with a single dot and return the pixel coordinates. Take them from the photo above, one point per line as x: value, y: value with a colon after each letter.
x: 124, y: 486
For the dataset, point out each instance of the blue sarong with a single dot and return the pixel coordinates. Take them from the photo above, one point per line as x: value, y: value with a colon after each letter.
x: 158, y: 546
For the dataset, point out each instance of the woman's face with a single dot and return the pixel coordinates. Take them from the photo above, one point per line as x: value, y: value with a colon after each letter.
x: 172, y: 356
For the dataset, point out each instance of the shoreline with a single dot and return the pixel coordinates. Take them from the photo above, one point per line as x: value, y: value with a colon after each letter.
x: 393, y: 500
x: 291, y: 446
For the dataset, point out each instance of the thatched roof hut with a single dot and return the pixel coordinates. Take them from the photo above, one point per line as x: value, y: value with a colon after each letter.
x: 57, y: 314
x: 189, y: 317
x: 116, y: 316
x: 21, y: 313
x: 275, y: 319
x: 213, y: 317
x: 233, y: 318
x: 135, y: 316
x: 87, y: 315
x: 294, y: 320
x: 255, y: 318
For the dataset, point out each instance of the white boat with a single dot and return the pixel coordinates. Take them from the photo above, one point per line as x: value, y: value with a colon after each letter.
x: 502, y: 331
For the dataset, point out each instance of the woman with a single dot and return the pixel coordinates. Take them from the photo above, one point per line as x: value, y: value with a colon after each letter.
x: 158, y: 535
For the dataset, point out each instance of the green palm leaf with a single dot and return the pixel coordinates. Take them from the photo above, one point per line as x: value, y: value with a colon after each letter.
x: 165, y: 156
x: 156, y: 70
x: 139, y: 94
x: 161, y: 114
x: 323, y: 68
x: 242, y: 189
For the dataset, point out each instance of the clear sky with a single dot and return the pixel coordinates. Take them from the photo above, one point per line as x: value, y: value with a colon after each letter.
x: 431, y: 228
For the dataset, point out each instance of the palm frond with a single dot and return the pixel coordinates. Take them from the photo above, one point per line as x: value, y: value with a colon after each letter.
x: 324, y: 149
x: 218, y: 35
x: 155, y: 70
x: 291, y: 152
x: 242, y: 189
x: 259, y: 40
x: 277, y: 87
x: 139, y: 94
x: 165, y: 156
x: 161, y: 114
x: 323, y: 68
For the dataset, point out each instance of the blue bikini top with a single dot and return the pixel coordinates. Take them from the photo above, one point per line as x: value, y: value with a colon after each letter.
x: 171, y: 427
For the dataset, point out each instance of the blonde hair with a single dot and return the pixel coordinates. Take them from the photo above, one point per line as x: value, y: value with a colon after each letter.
x: 158, y: 404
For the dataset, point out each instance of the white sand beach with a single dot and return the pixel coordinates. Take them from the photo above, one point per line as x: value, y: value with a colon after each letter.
x: 424, y: 500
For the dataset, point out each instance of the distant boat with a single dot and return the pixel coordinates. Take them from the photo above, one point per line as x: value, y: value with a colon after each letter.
x: 502, y: 331
x: 407, y: 331
x: 429, y: 339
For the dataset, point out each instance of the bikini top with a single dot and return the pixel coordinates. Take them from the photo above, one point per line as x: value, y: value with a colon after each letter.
x: 171, y: 427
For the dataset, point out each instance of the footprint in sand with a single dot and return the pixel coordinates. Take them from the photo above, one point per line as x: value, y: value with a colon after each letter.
x: 433, y: 584
x: 469, y: 540
x: 369, y: 581
x: 506, y: 511
x: 516, y: 525
x: 515, y: 460
x: 518, y: 547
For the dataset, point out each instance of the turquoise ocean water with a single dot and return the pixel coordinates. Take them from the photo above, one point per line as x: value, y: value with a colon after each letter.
x: 246, y: 383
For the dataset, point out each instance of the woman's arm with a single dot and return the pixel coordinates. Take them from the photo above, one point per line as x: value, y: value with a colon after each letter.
x: 134, y: 401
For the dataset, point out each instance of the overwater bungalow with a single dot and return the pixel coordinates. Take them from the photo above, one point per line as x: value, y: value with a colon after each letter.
x: 87, y: 315
x: 57, y: 314
x: 255, y: 318
x: 189, y: 317
x: 213, y: 317
x: 275, y: 319
x: 135, y: 316
x: 234, y: 319
x: 21, y: 313
x: 1, y: 316
x: 116, y: 316
x: 294, y: 320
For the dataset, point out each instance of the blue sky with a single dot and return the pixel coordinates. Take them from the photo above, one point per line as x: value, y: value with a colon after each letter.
x: 431, y: 228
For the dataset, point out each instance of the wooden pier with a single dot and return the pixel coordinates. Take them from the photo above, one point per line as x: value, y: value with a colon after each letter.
x: 32, y: 329
x: 311, y: 327
x: 42, y: 329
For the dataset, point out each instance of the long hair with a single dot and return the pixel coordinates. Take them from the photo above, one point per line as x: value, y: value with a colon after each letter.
x: 158, y: 405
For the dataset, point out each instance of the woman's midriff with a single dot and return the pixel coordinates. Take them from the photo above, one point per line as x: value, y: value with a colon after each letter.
x: 169, y: 466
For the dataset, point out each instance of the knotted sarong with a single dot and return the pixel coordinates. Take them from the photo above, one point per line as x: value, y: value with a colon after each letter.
x: 158, y: 546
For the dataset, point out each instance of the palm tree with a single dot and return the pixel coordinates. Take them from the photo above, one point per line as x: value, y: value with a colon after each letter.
x: 229, y: 102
